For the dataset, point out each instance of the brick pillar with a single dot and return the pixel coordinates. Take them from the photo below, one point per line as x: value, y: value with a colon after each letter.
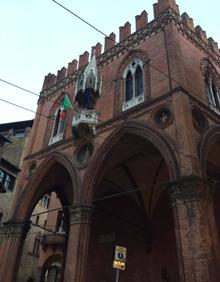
x: 12, y: 239
x: 197, y: 243
x: 78, y: 242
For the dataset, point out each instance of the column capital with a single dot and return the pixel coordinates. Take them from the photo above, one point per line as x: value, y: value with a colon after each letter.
x: 81, y: 214
x: 190, y: 188
x: 15, y: 228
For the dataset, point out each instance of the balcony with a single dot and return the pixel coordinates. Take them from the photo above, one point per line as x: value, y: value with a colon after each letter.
x: 53, y: 240
x: 133, y: 102
x: 87, y: 118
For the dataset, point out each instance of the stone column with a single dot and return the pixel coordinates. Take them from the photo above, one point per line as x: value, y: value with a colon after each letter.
x: 12, y: 236
x: 192, y: 201
x: 78, y: 243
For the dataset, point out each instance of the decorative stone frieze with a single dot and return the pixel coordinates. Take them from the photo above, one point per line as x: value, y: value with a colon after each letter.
x: 81, y: 214
x: 190, y: 188
x: 15, y: 228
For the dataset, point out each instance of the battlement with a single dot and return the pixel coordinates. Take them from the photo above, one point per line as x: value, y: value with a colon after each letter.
x: 141, y: 22
x: 124, y: 31
x: 163, y: 5
x: 187, y: 21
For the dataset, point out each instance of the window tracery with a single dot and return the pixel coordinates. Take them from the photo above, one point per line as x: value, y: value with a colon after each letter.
x: 212, y: 85
x: 136, y: 65
x: 134, y: 85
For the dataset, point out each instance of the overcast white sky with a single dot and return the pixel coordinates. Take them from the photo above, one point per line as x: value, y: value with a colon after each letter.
x: 38, y: 37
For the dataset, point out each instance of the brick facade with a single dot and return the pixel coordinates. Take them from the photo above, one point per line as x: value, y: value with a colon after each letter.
x: 144, y: 173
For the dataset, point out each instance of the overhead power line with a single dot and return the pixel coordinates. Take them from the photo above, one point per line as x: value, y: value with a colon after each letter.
x: 19, y: 87
x: 98, y: 30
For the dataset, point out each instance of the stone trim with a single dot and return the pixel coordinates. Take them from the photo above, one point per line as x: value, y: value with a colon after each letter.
x: 190, y: 188
x: 15, y: 229
x: 81, y: 214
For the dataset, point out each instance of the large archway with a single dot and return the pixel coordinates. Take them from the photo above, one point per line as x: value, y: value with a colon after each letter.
x: 132, y: 207
x: 57, y: 178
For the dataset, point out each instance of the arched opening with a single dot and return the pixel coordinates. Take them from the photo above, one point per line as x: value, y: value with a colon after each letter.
x: 128, y: 87
x: 132, y: 210
x: 213, y: 175
x: 51, y: 270
x: 139, y: 85
x: 45, y: 202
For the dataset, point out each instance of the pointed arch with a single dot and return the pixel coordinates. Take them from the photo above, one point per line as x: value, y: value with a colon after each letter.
x: 136, y: 128
x: 142, y: 59
x: 208, y: 138
x: 35, y: 188
x: 211, y: 79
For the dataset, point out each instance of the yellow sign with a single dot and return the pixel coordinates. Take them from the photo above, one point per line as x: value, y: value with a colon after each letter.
x: 119, y: 265
x: 120, y: 253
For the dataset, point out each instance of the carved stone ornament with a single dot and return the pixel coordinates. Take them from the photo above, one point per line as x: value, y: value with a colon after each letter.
x: 83, y: 154
x: 200, y: 122
x: 163, y: 116
x: 190, y: 188
x: 81, y: 214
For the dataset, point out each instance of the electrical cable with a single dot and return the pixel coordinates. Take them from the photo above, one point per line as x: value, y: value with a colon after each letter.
x: 101, y: 32
x: 53, y: 101
x: 131, y: 190
x: 53, y: 232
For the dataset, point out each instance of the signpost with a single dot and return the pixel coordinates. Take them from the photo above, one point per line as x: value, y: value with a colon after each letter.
x: 119, y: 260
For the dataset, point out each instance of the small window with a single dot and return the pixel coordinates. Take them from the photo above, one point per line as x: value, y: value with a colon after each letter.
x: 45, y: 201
x: 60, y: 225
x: 59, y: 125
x: 1, y: 175
x: 213, y: 95
x: 7, y: 182
x: 36, y: 246
x: 20, y: 133
x: 37, y: 219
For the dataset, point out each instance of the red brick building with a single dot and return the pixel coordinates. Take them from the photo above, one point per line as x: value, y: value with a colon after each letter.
x: 136, y: 162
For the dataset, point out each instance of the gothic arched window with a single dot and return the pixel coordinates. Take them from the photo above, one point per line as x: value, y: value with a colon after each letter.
x: 59, y: 125
x: 212, y: 85
x: 213, y: 94
x: 134, y: 85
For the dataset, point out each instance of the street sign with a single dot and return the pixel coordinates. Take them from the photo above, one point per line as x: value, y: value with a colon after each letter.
x: 120, y: 258
x: 120, y: 253
x: 119, y: 265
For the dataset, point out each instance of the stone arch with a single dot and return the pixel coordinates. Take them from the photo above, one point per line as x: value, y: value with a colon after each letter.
x: 139, y: 54
x: 141, y: 130
x: 51, y: 259
x: 28, y: 198
x: 209, y: 137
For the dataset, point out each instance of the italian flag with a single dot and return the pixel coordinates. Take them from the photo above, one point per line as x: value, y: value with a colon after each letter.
x: 66, y: 103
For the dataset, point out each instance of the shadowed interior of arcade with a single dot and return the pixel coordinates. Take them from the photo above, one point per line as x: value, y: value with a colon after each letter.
x: 140, y: 220
x: 213, y: 175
